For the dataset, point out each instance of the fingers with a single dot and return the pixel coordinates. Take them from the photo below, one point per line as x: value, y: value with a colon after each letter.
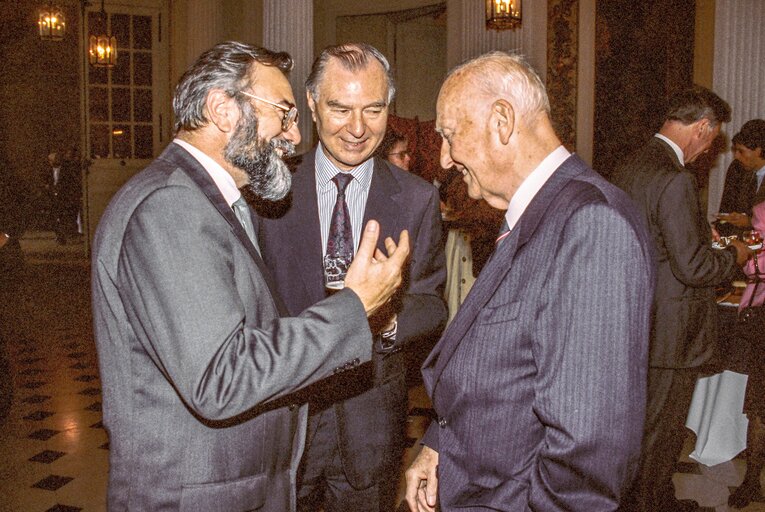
x: 368, y: 243
x: 390, y: 245
x: 422, y: 481
x: 401, y: 251
x: 379, y: 256
x: 431, y: 488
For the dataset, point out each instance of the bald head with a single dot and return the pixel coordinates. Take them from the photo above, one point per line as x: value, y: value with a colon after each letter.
x: 493, y: 116
x: 502, y: 75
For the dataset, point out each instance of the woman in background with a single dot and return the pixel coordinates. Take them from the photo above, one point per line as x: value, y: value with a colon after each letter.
x: 750, y: 331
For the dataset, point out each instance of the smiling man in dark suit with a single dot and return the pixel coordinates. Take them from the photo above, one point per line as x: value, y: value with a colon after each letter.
x: 684, y: 331
x: 539, y: 380
x: 356, y: 425
x: 198, y: 359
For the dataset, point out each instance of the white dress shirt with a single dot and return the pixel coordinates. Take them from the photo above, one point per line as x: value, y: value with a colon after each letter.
x: 219, y: 175
x: 675, y: 147
x: 356, y: 194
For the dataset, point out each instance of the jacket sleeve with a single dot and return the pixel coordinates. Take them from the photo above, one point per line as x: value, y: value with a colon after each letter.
x: 590, y: 351
x: 184, y: 285
x: 688, y: 242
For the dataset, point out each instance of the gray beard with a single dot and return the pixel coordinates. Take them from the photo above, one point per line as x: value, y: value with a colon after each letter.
x: 268, y: 175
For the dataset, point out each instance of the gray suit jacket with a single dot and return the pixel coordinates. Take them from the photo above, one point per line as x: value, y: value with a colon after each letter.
x: 370, y: 402
x: 539, y: 382
x: 684, y: 332
x: 197, y: 364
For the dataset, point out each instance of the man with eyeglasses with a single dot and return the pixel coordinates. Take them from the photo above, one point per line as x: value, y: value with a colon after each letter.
x: 199, y: 360
x: 356, y: 421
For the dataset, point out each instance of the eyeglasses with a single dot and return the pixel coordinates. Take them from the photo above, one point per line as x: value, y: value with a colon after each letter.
x: 400, y: 154
x: 290, y: 113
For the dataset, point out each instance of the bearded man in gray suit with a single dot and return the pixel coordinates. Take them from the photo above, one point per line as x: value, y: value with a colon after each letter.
x: 539, y: 381
x: 197, y: 357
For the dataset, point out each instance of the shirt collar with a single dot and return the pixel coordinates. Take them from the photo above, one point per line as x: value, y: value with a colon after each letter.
x: 533, y: 183
x: 675, y: 148
x: 326, y: 170
x: 219, y: 175
x: 760, y: 175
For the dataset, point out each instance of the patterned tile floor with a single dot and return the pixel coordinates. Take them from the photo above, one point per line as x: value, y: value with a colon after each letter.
x: 53, y: 447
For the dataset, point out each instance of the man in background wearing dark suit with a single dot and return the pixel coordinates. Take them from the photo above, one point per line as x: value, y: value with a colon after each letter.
x: 684, y: 331
x: 63, y: 182
x: 539, y: 380
x: 743, y: 182
x: 198, y: 358
x: 356, y: 426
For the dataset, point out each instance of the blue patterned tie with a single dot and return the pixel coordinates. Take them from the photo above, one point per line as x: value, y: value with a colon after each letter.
x: 340, y: 241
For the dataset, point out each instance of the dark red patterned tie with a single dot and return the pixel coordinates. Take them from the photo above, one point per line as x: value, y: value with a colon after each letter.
x: 340, y: 241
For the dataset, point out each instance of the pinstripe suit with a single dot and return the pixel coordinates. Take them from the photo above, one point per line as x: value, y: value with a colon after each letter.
x: 539, y: 381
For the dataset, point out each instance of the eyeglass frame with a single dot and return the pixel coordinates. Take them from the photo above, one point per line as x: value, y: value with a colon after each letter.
x: 291, y: 113
x: 401, y: 154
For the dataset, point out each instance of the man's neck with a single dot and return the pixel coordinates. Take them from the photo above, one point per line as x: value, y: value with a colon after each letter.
x: 214, y: 148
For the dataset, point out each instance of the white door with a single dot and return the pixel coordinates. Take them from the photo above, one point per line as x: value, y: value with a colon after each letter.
x: 127, y: 120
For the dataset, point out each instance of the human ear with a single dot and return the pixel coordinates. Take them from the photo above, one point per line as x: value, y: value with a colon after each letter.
x: 221, y: 110
x: 503, y: 120
x: 311, y: 104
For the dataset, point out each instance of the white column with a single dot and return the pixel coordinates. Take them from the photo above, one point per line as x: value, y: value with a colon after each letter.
x: 204, y: 27
x: 739, y: 74
x: 288, y: 26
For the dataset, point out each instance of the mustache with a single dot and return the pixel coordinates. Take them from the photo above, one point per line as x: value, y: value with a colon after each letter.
x: 287, y: 148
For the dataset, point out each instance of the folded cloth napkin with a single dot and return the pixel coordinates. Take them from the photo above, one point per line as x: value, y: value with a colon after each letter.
x: 717, y: 419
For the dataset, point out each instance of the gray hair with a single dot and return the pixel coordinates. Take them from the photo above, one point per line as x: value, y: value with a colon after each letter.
x: 504, y: 74
x: 353, y: 57
x: 225, y: 66
x: 697, y: 103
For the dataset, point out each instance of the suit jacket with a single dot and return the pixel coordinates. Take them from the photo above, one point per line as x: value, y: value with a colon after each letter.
x: 684, y: 332
x: 196, y: 362
x: 370, y: 403
x: 66, y: 193
x: 738, y: 196
x: 539, y: 382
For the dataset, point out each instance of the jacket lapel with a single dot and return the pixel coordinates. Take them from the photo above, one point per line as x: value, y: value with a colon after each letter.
x: 202, y: 179
x: 383, y: 202
x: 496, y: 269
x: 305, y: 227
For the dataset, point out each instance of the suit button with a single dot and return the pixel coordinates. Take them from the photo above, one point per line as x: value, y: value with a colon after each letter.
x: 292, y: 407
x: 464, y: 258
x: 442, y: 422
x: 356, y: 361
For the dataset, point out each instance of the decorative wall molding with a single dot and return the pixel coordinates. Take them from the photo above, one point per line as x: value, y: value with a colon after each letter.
x: 562, y: 59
